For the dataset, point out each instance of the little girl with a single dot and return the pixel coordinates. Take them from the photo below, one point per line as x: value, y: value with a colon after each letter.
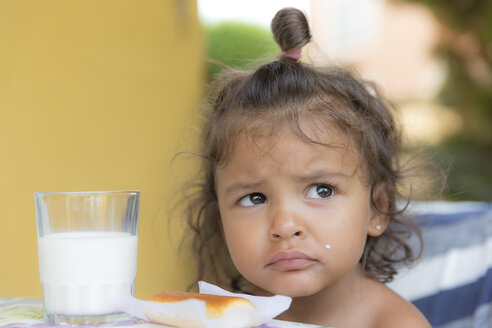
x: 300, y: 179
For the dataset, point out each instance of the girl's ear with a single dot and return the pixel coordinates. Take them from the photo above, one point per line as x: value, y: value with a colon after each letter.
x: 379, y: 220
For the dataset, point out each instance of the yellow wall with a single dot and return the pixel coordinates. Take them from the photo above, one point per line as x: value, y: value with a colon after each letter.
x: 94, y: 95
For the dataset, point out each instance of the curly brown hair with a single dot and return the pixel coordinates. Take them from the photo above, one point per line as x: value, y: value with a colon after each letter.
x: 282, y: 92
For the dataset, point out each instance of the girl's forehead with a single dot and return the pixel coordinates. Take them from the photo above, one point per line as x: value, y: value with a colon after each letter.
x: 261, y: 134
x: 318, y: 133
x: 287, y: 155
x: 286, y: 143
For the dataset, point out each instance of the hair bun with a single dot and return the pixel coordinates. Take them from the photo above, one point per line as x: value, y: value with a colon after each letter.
x: 290, y: 29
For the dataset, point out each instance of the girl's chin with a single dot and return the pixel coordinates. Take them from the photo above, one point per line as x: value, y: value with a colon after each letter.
x: 298, y: 293
x: 294, y: 291
x: 298, y: 287
x: 302, y: 287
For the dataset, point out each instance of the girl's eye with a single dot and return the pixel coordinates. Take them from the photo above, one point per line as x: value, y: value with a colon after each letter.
x: 253, y: 199
x: 320, y: 191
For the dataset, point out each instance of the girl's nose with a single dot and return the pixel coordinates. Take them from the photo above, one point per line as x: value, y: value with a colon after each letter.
x: 286, y: 224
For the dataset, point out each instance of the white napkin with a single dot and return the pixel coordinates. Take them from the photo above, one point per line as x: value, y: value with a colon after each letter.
x: 192, y: 313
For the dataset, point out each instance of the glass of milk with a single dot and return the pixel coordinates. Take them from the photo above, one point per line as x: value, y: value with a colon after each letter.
x: 87, y: 246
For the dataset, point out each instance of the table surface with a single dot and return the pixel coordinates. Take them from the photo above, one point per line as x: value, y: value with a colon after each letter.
x: 28, y: 313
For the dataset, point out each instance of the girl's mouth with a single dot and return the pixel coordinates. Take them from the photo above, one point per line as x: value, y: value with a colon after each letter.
x: 290, y: 260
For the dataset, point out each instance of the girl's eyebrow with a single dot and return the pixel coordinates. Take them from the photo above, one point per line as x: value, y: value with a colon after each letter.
x: 322, y: 175
x: 241, y: 186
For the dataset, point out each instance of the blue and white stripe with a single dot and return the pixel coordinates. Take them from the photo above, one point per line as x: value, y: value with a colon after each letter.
x: 452, y: 284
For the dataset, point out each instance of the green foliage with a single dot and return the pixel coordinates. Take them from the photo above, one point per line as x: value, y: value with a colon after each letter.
x: 464, y: 15
x: 238, y: 45
x: 468, y: 169
x: 467, y: 51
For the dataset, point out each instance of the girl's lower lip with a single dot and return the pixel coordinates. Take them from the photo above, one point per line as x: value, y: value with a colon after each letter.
x: 292, y: 264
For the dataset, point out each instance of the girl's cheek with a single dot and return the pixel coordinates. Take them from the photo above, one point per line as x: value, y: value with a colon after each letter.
x: 240, y: 237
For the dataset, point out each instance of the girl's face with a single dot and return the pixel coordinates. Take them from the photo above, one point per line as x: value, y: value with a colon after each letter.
x: 295, y: 215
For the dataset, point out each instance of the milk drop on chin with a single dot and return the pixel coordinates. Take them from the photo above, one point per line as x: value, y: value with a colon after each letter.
x: 84, y: 273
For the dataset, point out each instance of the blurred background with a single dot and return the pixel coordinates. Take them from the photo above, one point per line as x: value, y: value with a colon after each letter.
x: 99, y: 95
x: 432, y: 59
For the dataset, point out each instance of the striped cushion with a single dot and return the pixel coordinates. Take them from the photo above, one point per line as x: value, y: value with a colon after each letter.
x: 452, y: 283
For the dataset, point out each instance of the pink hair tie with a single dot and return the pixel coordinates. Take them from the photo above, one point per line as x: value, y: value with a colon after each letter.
x: 295, y: 54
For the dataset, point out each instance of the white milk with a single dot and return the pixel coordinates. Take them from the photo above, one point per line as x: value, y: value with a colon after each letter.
x: 83, y: 273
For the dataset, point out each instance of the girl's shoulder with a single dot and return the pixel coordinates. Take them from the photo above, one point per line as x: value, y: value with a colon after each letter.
x: 392, y: 310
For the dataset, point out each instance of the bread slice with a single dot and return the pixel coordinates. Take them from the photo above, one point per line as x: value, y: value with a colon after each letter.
x: 216, y: 305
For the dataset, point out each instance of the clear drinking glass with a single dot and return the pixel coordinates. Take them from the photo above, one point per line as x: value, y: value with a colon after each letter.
x: 87, y: 247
